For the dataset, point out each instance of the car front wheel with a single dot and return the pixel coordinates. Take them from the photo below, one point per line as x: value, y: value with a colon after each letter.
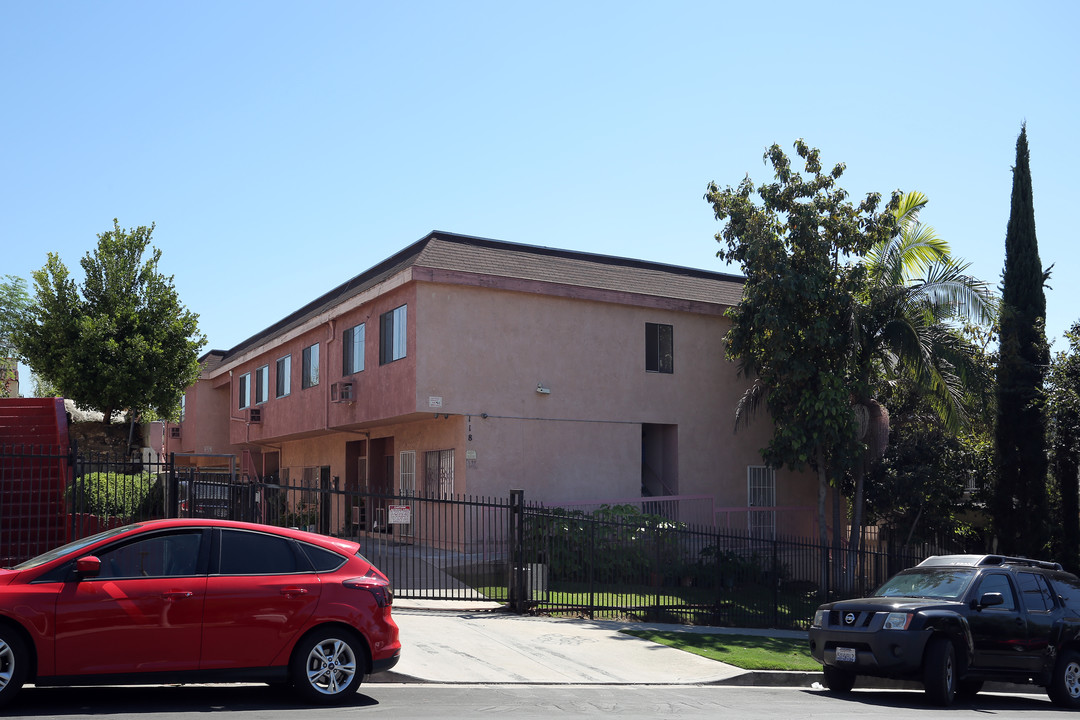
x: 328, y: 666
x: 1064, y: 687
x: 939, y: 671
x: 13, y: 661
x: 837, y: 680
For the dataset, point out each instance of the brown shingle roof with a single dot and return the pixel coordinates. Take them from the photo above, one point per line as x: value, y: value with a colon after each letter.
x: 465, y: 254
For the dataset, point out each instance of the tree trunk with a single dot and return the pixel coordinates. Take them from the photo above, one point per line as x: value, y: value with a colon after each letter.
x: 855, y: 542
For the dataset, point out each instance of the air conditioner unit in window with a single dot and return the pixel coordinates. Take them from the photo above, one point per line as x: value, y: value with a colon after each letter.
x: 255, y: 416
x: 174, y: 433
x: 341, y: 392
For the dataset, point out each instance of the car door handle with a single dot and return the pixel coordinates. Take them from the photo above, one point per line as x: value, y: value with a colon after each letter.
x: 290, y: 591
x: 177, y: 594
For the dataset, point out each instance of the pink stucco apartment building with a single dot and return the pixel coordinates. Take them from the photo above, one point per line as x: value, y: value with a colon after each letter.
x: 471, y: 366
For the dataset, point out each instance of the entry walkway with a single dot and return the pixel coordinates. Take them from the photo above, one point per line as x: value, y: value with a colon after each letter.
x: 446, y: 642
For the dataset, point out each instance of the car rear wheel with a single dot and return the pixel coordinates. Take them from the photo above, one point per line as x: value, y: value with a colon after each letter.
x: 939, y: 671
x: 328, y: 665
x: 837, y: 680
x: 13, y: 661
x: 1064, y: 687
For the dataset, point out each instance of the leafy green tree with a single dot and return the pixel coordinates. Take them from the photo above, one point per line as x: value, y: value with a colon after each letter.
x: 918, y: 491
x: 791, y: 332
x: 1063, y: 404
x: 906, y: 329
x: 121, y: 340
x: 43, y: 389
x: 14, y: 304
x: 1020, y: 503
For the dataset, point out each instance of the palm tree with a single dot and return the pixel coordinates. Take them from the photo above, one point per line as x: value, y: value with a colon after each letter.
x: 905, y: 325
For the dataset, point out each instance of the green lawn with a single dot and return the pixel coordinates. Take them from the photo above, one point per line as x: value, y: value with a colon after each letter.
x: 749, y: 652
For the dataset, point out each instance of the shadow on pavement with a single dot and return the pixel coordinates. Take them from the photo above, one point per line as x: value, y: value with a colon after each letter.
x: 993, y: 703
x: 101, y: 700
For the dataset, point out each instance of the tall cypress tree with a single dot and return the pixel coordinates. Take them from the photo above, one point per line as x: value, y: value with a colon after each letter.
x: 1020, y: 506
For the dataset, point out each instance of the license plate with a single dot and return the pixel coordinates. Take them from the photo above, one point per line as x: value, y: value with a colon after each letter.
x: 845, y: 654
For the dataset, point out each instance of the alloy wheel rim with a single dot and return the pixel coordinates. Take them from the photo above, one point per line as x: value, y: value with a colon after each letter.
x: 1072, y: 679
x: 7, y: 664
x: 331, y: 666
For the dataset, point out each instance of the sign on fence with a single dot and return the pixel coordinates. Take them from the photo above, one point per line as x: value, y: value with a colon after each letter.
x: 399, y: 515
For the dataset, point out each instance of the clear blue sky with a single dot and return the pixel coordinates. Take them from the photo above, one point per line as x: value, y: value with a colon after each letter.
x: 282, y: 148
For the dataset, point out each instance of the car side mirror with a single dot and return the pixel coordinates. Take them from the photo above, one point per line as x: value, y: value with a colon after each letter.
x: 88, y: 566
x: 991, y: 599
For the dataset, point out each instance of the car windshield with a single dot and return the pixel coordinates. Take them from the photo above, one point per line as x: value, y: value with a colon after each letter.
x: 943, y: 583
x: 70, y: 547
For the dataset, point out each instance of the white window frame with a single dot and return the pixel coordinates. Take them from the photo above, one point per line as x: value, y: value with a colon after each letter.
x: 310, y: 366
x: 283, y: 383
x: 394, y: 347
x: 352, y: 350
x: 245, y: 391
x: 262, y: 384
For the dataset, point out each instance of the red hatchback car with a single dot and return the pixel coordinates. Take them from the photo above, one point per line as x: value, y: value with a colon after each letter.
x: 197, y: 601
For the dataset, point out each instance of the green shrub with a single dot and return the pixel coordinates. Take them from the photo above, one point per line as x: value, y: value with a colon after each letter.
x: 618, y: 543
x: 116, y: 495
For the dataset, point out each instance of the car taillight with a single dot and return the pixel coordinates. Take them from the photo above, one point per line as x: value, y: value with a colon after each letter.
x: 377, y: 586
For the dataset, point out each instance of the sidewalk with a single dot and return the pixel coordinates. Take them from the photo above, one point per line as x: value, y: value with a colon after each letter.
x: 454, y: 642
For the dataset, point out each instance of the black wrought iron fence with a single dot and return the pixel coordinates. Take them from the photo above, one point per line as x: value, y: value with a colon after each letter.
x: 609, y: 561
x: 618, y: 563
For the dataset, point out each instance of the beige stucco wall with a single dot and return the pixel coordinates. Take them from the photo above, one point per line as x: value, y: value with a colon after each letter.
x: 483, y: 351
x: 469, y: 383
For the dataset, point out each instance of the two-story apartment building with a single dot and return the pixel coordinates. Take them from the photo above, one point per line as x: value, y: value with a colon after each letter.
x: 471, y: 366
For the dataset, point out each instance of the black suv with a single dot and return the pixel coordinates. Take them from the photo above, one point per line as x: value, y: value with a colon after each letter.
x: 955, y: 621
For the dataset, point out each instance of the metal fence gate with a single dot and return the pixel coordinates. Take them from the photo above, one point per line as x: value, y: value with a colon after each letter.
x: 611, y: 561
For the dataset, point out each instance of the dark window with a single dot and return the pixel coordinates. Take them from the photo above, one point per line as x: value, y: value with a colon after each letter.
x: 311, y: 366
x: 659, y: 348
x: 1068, y: 589
x: 166, y: 555
x: 250, y: 553
x: 439, y: 473
x: 245, y: 390
x: 322, y: 559
x: 352, y: 350
x: 262, y: 384
x: 392, y: 334
x: 284, y: 376
x: 997, y: 583
x: 1036, y: 593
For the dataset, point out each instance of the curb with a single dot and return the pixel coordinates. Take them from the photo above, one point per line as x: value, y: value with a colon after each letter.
x: 750, y: 678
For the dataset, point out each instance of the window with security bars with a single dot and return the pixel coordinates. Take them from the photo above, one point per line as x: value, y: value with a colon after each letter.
x: 407, y: 481
x: 308, y: 482
x: 439, y: 473
x: 761, y: 493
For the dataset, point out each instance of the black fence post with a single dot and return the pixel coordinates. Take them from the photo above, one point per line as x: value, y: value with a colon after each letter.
x: 775, y: 585
x: 517, y: 553
x: 172, y: 488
